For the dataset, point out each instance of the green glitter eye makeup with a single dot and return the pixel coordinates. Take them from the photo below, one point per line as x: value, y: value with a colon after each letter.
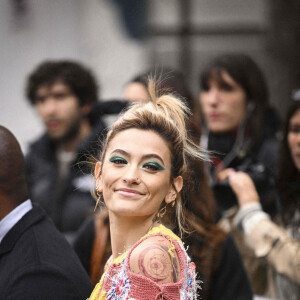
x: 118, y: 160
x: 153, y: 166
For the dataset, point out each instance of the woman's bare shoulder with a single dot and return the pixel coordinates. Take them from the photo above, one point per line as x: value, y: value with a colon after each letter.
x: 153, y: 259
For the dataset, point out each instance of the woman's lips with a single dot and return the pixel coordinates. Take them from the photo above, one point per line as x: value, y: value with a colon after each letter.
x: 128, y: 192
x: 214, y: 116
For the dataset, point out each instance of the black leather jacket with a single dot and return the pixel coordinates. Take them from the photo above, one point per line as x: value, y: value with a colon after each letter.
x: 70, y: 202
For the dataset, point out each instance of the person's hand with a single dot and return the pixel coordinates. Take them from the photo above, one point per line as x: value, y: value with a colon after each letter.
x: 241, y: 184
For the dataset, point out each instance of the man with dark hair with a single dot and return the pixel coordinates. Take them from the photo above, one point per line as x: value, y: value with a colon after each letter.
x: 36, y: 261
x: 64, y: 94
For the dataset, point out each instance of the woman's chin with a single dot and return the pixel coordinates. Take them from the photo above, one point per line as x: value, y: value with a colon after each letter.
x: 130, y: 213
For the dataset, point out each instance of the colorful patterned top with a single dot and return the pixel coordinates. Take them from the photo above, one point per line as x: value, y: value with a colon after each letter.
x: 119, y: 282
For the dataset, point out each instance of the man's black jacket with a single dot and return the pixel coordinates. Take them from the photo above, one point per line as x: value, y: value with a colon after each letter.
x: 68, y: 203
x: 36, y: 262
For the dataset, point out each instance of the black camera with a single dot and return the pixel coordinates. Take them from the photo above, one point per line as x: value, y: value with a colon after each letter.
x: 261, y: 176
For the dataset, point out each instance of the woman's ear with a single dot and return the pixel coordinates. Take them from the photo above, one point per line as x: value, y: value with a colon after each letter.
x: 175, y: 188
x: 97, y: 174
x: 97, y: 171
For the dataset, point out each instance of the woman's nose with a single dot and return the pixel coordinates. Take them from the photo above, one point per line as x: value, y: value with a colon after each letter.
x: 213, y: 96
x: 132, y: 176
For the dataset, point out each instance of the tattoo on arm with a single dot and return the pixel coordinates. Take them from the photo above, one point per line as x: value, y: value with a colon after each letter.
x: 156, y: 263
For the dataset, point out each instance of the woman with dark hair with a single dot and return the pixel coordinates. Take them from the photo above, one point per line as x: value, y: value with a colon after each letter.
x: 239, y: 128
x: 289, y: 162
x: 278, y: 245
x: 236, y: 75
x: 217, y: 260
x: 239, y: 125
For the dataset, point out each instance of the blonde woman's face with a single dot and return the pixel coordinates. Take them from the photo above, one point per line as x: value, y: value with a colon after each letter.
x: 136, y: 91
x: 293, y: 138
x: 135, y: 174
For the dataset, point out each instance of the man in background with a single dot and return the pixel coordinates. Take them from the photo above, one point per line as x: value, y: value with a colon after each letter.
x: 64, y: 94
x: 36, y: 261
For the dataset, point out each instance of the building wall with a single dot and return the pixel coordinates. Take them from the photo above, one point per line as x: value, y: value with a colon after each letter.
x: 89, y: 31
x: 93, y: 32
x: 216, y: 27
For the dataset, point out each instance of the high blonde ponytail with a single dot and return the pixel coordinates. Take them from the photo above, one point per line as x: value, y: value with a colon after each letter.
x: 177, y: 111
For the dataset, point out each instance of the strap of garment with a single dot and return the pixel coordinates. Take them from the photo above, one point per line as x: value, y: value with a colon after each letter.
x: 97, y: 262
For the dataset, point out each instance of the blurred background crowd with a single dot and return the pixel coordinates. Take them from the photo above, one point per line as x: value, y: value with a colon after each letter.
x: 119, y: 40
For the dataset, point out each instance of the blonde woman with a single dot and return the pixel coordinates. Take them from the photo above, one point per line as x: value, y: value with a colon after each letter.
x: 141, y: 176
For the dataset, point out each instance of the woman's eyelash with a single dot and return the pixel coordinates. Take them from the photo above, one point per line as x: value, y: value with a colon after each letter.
x: 118, y: 160
x: 153, y: 166
x: 227, y: 87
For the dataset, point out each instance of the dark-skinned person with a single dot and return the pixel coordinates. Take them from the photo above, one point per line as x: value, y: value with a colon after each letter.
x: 36, y: 262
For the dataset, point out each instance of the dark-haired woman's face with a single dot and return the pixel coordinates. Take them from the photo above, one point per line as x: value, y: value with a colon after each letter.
x: 136, y: 91
x: 293, y: 138
x: 223, y: 104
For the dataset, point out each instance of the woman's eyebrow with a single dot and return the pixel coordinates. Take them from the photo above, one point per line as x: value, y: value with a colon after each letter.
x: 120, y: 151
x: 147, y: 156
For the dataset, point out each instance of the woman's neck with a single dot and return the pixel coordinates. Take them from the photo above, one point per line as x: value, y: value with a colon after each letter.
x: 125, y: 232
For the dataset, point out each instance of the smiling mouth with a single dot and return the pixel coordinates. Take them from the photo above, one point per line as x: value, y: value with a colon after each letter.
x: 128, y: 192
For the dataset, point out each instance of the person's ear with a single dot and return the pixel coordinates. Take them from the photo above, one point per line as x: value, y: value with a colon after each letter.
x: 200, y: 98
x: 175, y: 189
x: 98, y: 176
x: 86, y: 108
